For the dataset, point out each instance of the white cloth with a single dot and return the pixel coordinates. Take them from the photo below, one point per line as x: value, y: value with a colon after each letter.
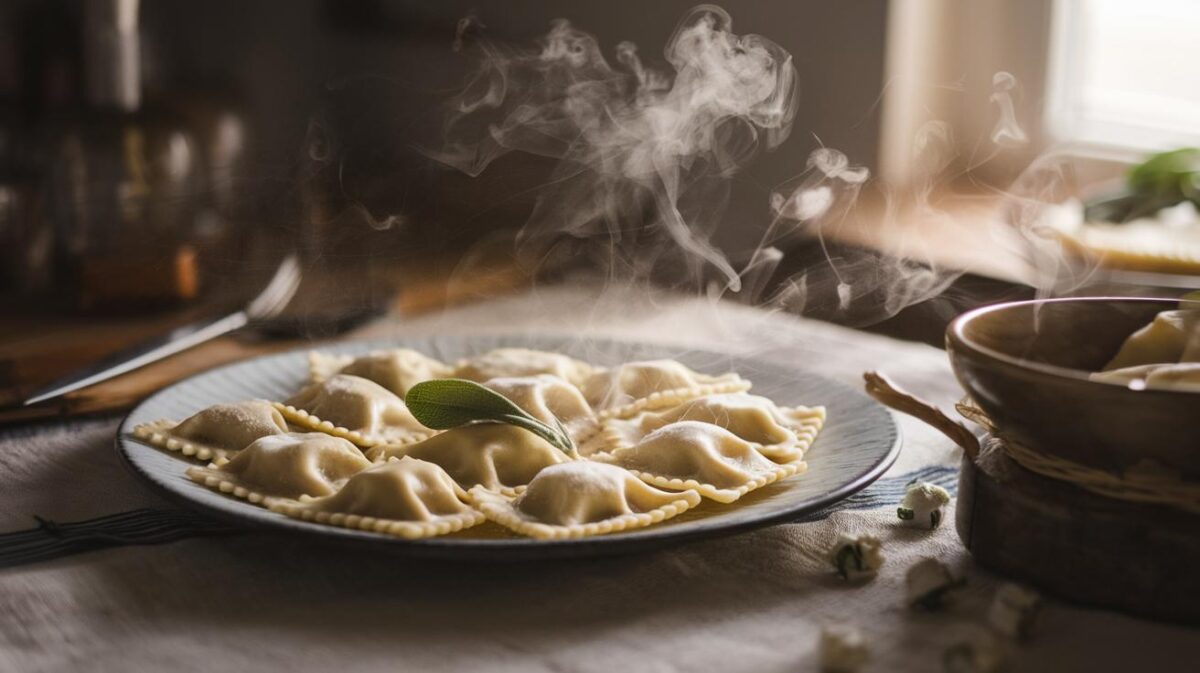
x: 754, y: 602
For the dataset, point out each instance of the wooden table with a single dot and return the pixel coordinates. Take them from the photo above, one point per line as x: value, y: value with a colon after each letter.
x: 37, y: 348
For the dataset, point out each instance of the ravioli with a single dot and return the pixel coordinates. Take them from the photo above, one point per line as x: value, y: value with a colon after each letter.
x: 782, y: 434
x: 510, y: 362
x: 653, y: 384
x: 1173, y: 336
x: 497, y: 456
x: 352, y: 407
x: 657, y: 438
x: 396, y: 369
x: 216, y: 431
x: 1182, y: 375
x: 580, y: 499
x: 287, y: 466
x: 407, y: 498
x: 701, y: 456
x: 548, y: 398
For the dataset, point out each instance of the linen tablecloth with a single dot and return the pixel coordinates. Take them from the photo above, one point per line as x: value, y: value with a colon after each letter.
x: 164, y: 589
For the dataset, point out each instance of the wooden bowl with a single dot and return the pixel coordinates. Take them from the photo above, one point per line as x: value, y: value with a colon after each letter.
x: 1026, y: 364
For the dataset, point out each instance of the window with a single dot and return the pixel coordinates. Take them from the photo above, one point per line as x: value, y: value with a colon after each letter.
x: 1124, y: 75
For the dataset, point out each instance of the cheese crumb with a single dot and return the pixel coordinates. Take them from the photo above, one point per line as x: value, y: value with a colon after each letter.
x: 1013, y: 611
x: 843, y: 649
x: 981, y: 654
x: 922, y: 505
x: 927, y: 583
x: 856, y: 556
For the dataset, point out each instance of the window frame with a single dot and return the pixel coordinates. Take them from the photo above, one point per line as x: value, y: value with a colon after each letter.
x: 1063, y: 118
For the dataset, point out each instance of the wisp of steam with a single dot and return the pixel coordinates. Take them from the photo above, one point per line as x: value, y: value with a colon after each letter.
x: 644, y: 155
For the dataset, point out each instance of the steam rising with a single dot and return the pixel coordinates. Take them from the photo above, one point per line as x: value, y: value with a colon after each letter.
x: 855, y: 285
x: 635, y: 144
x: 643, y: 156
x: 1008, y: 132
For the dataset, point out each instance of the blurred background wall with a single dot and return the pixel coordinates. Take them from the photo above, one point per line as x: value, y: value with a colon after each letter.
x: 302, y: 119
x: 343, y: 92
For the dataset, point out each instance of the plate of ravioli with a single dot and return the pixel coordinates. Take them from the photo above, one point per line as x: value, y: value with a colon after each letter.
x: 661, y: 445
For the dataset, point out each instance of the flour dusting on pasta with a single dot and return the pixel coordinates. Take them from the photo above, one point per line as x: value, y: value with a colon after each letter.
x: 653, y: 438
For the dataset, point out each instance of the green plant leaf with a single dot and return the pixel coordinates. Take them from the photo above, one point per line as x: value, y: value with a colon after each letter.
x: 847, y: 555
x: 1162, y: 180
x: 562, y: 441
x: 1171, y: 175
x: 442, y: 404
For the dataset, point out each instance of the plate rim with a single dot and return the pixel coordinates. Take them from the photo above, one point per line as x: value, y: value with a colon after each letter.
x: 501, y: 548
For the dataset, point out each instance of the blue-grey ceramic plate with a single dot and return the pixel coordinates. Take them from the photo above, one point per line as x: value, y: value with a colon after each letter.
x: 859, y: 442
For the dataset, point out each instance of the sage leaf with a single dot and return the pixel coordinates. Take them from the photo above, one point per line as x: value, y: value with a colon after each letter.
x: 442, y: 404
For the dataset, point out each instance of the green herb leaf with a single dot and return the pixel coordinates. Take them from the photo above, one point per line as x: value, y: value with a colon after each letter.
x: 442, y: 404
x: 1170, y: 175
x: 847, y: 555
x: 1162, y: 180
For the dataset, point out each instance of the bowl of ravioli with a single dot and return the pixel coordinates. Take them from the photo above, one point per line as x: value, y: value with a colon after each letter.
x: 1109, y: 382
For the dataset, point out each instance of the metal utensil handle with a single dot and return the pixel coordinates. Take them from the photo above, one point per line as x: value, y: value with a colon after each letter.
x: 142, y: 354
